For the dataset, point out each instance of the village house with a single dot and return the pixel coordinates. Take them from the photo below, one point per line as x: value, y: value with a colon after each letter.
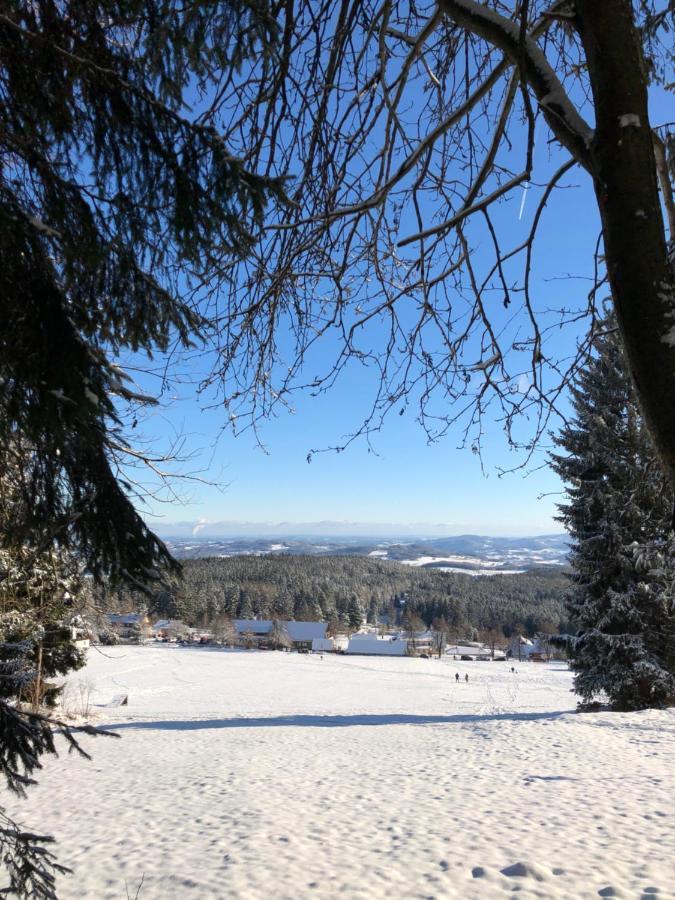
x: 473, y: 650
x: 170, y: 629
x: 257, y: 633
x: 80, y: 632
x: 130, y: 625
x: 419, y: 642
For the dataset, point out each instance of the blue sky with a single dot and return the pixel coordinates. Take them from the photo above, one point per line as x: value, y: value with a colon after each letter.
x: 405, y: 480
x: 438, y: 487
x: 408, y: 482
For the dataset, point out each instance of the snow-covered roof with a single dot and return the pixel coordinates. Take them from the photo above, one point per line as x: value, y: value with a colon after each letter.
x: 370, y: 645
x: 252, y: 626
x: 471, y: 648
x: 297, y: 631
x: 306, y: 631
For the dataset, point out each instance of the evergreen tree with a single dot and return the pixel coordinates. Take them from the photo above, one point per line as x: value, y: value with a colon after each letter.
x: 116, y: 204
x: 618, y: 512
x: 38, y: 581
x: 354, y: 614
x: 245, y: 610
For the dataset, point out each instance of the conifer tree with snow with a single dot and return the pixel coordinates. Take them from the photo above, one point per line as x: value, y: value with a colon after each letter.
x: 354, y: 613
x: 119, y: 198
x: 618, y: 513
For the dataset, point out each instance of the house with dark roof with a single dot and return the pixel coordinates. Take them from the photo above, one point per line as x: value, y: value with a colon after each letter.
x: 257, y: 632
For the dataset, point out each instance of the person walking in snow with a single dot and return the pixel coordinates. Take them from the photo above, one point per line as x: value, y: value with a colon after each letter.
x: 466, y: 678
x: 456, y: 677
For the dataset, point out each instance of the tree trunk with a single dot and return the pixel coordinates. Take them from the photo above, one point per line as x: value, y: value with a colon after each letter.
x: 625, y: 180
x: 621, y: 161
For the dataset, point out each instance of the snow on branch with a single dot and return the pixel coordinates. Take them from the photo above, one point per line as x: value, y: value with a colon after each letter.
x: 560, y: 113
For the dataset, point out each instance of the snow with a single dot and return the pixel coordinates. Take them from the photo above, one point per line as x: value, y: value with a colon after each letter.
x: 479, y: 566
x: 460, y: 571
x: 475, y: 14
x: 253, y: 775
x: 467, y: 560
x: 629, y: 120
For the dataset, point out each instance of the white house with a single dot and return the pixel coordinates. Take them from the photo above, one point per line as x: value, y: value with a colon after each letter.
x: 323, y: 645
x: 371, y: 644
x: 80, y: 633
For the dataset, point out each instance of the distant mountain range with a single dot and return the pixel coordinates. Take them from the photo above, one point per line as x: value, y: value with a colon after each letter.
x: 472, y: 554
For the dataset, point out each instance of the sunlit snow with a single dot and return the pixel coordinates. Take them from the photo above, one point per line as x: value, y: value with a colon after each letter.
x: 265, y: 774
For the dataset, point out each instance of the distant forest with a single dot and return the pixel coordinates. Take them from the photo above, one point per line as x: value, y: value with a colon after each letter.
x: 332, y: 588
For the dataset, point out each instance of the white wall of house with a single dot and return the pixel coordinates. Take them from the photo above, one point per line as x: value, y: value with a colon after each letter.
x: 322, y: 645
x: 372, y: 645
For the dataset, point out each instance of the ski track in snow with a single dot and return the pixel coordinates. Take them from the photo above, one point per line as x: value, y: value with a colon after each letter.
x: 258, y: 775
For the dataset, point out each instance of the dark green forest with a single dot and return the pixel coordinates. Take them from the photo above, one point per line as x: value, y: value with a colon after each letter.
x: 311, y: 587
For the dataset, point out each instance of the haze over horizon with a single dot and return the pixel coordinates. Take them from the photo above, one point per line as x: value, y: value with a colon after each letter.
x: 203, y: 529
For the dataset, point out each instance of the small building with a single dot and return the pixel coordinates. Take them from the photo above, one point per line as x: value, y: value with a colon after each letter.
x: 80, y: 633
x: 419, y: 642
x: 303, y: 634
x: 169, y: 629
x: 520, y: 647
x: 130, y: 625
x: 474, y: 650
x: 323, y: 645
x: 371, y: 644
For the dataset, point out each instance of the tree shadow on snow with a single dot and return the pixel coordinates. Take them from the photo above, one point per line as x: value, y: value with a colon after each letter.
x: 344, y: 721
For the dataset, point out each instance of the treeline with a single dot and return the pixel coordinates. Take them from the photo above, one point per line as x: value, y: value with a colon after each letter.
x: 342, y: 589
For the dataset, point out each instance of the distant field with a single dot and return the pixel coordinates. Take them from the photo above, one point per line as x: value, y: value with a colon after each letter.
x: 272, y: 775
x: 471, y: 554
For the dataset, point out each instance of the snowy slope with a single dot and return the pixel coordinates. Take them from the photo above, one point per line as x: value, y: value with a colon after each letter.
x: 256, y: 775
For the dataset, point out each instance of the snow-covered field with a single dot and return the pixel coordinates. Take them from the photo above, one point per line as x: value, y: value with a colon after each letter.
x: 465, y: 565
x: 271, y: 775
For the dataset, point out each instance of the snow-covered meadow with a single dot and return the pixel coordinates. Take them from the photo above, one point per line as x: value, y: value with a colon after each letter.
x: 251, y: 775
